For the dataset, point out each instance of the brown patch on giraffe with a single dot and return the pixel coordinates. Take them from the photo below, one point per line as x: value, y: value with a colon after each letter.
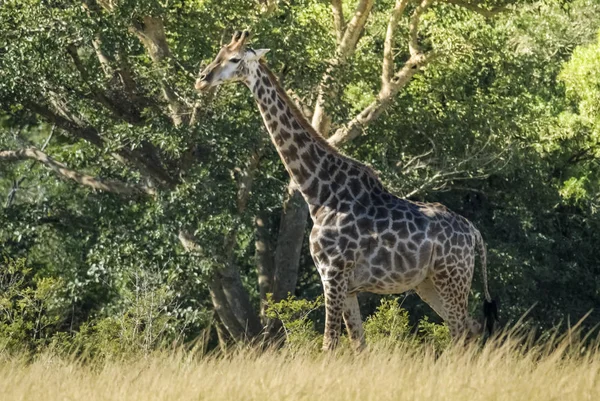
x: 285, y: 135
x: 425, y: 253
x: 382, y: 213
x: 368, y: 245
x: 377, y: 272
x: 382, y: 225
x: 291, y: 153
x: 418, y: 237
x: 399, y: 263
x: 388, y: 240
x: 421, y: 223
x: 350, y: 231
x: 397, y: 215
x: 355, y: 186
x: 293, y: 149
x: 312, y: 191
x: 340, y: 177
x: 344, y: 207
x: 382, y: 258
x: 358, y: 209
x: 285, y: 121
x: 302, y: 139
x: 365, y: 225
x: 350, y: 254
x: 324, y: 195
x: 400, y: 228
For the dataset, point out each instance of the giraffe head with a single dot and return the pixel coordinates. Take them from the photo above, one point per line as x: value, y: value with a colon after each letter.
x: 233, y: 63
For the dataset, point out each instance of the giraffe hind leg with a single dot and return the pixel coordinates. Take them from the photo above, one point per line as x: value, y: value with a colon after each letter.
x: 448, y: 297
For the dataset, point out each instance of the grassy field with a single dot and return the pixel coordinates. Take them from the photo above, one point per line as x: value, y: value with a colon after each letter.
x: 460, y: 373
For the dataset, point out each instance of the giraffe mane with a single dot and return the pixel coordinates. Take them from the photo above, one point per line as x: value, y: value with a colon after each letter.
x: 299, y: 116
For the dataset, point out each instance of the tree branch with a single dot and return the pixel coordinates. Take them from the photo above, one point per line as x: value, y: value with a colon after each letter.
x: 388, y: 54
x: 17, y: 183
x: 98, y: 95
x: 70, y: 174
x: 140, y: 160
x: 354, y: 28
x: 413, y: 27
x: 399, y: 80
x: 487, y: 13
x: 338, y: 19
x: 344, y: 50
x: 151, y: 33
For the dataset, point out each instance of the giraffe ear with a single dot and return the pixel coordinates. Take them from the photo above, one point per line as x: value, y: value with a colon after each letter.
x: 256, y: 54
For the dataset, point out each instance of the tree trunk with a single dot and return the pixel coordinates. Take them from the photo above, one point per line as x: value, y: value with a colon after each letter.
x: 265, y: 261
x: 229, y: 297
x: 289, y: 244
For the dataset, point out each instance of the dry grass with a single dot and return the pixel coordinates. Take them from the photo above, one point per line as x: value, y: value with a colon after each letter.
x: 461, y: 373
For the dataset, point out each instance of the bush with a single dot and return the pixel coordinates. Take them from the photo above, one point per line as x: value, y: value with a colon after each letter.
x: 31, y: 308
x: 437, y: 335
x: 388, y: 326
x: 294, y: 316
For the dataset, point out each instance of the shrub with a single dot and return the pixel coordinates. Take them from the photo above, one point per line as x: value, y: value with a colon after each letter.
x: 294, y: 316
x: 31, y: 308
x: 437, y: 335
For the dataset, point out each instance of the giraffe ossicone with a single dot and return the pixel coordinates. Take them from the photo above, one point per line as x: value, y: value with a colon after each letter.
x: 363, y: 237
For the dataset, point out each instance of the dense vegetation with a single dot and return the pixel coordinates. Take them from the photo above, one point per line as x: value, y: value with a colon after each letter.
x: 139, y: 213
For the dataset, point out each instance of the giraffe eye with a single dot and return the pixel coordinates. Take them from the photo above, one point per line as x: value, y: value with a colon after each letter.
x: 235, y: 60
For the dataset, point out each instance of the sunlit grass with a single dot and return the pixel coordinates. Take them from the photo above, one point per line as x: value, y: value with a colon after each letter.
x: 555, y: 370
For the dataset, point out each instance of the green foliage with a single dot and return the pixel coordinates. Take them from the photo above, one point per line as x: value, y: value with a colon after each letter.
x: 31, y: 308
x: 294, y: 314
x: 390, y: 326
x: 436, y: 335
x: 502, y: 127
x: 389, y: 323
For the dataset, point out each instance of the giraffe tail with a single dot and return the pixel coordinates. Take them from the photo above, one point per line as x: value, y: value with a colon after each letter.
x: 490, y: 308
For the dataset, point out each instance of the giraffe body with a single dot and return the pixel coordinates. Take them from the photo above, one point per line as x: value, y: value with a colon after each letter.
x: 363, y: 237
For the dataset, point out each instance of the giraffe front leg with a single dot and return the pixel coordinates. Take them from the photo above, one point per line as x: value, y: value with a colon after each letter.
x: 354, y: 322
x: 335, y: 285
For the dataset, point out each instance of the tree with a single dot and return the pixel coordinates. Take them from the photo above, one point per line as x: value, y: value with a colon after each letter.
x: 438, y: 96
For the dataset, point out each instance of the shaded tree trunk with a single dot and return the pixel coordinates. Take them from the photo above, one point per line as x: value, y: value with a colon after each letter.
x: 265, y: 261
x: 289, y: 244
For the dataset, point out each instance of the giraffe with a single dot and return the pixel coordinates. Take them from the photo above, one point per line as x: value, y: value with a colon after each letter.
x: 363, y: 237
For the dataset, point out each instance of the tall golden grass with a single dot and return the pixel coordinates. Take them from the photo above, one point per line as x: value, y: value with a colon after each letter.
x: 559, y: 369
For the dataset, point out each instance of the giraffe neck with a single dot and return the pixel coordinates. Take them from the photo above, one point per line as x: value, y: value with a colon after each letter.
x: 323, y: 175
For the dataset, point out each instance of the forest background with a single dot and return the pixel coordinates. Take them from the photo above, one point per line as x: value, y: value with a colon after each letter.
x: 138, y: 212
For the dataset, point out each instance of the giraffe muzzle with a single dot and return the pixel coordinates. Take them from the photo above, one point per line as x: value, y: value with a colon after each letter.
x: 201, y: 84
